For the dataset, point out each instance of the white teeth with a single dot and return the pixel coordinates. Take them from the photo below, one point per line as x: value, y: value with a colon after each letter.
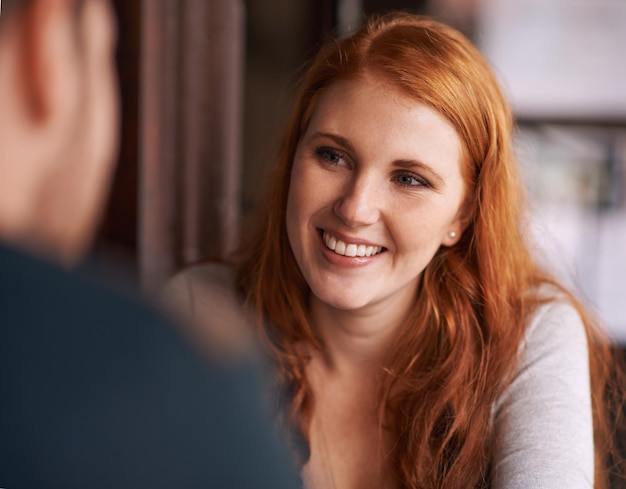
x: 340, y: 248
x: 332, y: 242
x: 349, y: 249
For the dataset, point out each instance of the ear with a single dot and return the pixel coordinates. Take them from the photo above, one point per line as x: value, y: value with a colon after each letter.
x: 46, y: 124
x: 452, y: 236
x: 459, y: 224
x: 39, y: 83
x: 49, y: 67
x: 455, y: 230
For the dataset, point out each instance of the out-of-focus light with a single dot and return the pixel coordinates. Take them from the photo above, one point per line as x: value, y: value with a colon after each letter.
x: 562, y: 58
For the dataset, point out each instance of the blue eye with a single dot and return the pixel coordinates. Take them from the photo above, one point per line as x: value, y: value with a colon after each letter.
x: 329, y: 155
x: 410, y: 180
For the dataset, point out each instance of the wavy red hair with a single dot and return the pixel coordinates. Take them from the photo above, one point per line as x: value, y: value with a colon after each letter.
x: 475, y: 297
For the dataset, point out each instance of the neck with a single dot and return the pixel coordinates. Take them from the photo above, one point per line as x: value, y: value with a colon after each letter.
x: 357, y: 339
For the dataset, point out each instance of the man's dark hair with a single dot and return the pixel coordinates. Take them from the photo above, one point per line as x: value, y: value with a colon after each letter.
x: 8, y: 6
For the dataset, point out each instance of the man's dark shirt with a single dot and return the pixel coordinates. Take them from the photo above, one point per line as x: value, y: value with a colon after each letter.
x: 97, y: 391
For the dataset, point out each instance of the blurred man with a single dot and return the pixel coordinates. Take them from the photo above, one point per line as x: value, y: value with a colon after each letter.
x: 95, y: 390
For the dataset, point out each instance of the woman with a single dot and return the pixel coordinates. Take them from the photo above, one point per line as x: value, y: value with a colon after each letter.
x: 420, y: 343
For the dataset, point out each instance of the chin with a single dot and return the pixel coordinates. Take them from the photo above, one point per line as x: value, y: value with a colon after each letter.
x: 343, y: 303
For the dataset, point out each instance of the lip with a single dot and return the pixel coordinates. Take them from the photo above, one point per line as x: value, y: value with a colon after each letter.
x: 348, y: 239
x: 347, y: 261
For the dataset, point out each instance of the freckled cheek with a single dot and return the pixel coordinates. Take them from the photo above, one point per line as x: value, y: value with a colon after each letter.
x: 298, y: 212
x: 292, y: 216
x: 296, y: 196
x: 414, y: 233
x: 310, y: 191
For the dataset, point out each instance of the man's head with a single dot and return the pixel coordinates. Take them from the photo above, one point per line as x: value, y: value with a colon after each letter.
x: 58, y: 122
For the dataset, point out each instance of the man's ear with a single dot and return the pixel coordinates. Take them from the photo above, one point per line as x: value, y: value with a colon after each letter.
x: 49, y: 58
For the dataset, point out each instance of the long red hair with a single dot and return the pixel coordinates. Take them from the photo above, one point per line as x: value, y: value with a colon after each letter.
x: 475, y: 297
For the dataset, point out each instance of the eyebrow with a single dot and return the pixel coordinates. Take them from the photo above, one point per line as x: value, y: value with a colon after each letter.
x: 435, y: 178
x: 341, y: 141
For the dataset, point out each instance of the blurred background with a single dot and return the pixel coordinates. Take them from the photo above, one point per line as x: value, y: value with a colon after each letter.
x: 206, y: 86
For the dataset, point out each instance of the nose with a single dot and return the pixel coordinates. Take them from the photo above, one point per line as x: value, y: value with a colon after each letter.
x: 359, y: 203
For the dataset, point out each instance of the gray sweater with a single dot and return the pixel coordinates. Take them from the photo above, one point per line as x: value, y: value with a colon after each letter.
x: 543, y: 421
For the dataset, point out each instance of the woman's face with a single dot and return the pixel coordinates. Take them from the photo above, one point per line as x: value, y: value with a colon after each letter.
x: 375, y: 190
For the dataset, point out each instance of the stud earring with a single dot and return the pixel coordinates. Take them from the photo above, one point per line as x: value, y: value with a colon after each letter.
x: 452, y: 234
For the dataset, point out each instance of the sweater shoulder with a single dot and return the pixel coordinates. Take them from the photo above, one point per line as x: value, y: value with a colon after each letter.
x: 203, y: 298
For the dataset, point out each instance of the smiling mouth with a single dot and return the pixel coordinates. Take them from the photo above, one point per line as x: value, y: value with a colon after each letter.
x: 349, y: 249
